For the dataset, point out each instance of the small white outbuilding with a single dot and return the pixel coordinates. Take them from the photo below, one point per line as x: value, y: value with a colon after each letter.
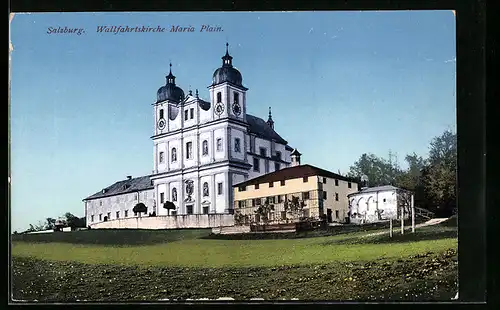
x: 378, y: 204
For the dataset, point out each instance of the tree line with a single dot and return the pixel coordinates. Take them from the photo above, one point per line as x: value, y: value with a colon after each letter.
x: 69, y: 220
x: 431, y: 179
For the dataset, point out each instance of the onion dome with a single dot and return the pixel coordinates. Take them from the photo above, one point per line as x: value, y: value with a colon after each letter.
x: 170, y: 91
x: 227, y: 73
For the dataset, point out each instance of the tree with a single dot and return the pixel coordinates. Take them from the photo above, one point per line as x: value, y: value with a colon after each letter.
x: 139, y: 208
x: 74, y: 221
x: 50, y: 223
x: 378, y: 170
x: 294, y: 206
x: 264, y: 211
x: 169, y: 206
x: 439, y: 177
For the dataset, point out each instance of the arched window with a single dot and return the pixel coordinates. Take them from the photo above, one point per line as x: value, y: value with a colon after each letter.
x: 174, y: 154
x: 219, y: 145
x: 205, y: 190
x: 236, y: 98
x: 205, y: 148
x: 219, y: 97
x: 174, y: 194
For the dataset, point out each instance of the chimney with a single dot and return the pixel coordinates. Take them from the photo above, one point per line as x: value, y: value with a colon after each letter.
x: 129, y: 177
x: 295, y: 155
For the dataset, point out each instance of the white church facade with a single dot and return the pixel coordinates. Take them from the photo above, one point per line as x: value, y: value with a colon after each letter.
x: 201, y: 148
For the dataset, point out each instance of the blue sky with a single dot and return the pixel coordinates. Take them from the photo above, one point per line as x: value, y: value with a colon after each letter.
x: 339, y: 84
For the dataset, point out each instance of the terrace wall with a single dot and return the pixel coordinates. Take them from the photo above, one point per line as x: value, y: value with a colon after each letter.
x: 169, y: 222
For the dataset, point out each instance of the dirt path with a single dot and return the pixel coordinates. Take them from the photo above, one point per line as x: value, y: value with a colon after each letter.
x: 430, y: 222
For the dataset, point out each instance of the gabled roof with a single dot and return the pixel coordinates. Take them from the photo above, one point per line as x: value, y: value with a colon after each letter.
x: 294, y: 173
x: 261, y: 128
x: 123, y: 187
x: 375, y: 189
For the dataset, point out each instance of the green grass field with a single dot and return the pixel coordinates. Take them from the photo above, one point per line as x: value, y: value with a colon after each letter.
x: 184, y: 258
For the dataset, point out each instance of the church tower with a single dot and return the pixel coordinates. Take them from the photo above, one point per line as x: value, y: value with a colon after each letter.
x: 227, y: 94
x: 166, y: 118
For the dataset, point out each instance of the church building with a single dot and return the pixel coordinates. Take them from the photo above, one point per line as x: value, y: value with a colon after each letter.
x: 201, y: 149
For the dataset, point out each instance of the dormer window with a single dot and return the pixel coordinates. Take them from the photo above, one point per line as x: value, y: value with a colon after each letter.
x: 104, y: 190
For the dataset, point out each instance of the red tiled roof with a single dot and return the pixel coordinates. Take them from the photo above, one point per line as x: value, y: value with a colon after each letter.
x: 294, y: 173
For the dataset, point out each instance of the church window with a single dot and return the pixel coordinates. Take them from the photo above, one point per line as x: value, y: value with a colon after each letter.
x: 205, y: 189
x: 162, y: 197
x: 205, y: 147
x: 191, y: 113
x: 256, y: 165
x: 219, y: 188
x: 174, y: 154
x: 205, y: 210
x: 162, y: 157
x: 219, y: 97
x: 186, y: 115
x: 236, y: 98
x: 161, y: 113
x: 174, y: 194
x: 189, y: 209
x: 189, y: 150
x: 219, y: 145
x: 237, y: 145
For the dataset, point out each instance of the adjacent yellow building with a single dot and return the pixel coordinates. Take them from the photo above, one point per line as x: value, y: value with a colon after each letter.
x: 287, y: 195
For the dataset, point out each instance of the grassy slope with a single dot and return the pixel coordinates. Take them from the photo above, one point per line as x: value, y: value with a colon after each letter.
x: 419, y: 266
x: 220, y: 253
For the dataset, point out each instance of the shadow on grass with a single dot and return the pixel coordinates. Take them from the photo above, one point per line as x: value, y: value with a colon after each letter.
x: 117, y: 237
x: 421, y: 234
x: 329, y: 231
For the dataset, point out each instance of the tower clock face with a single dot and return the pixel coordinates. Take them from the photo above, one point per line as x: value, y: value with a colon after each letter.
x: 219, y: 109
x: 236, y: 109
x: 161, y: 124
